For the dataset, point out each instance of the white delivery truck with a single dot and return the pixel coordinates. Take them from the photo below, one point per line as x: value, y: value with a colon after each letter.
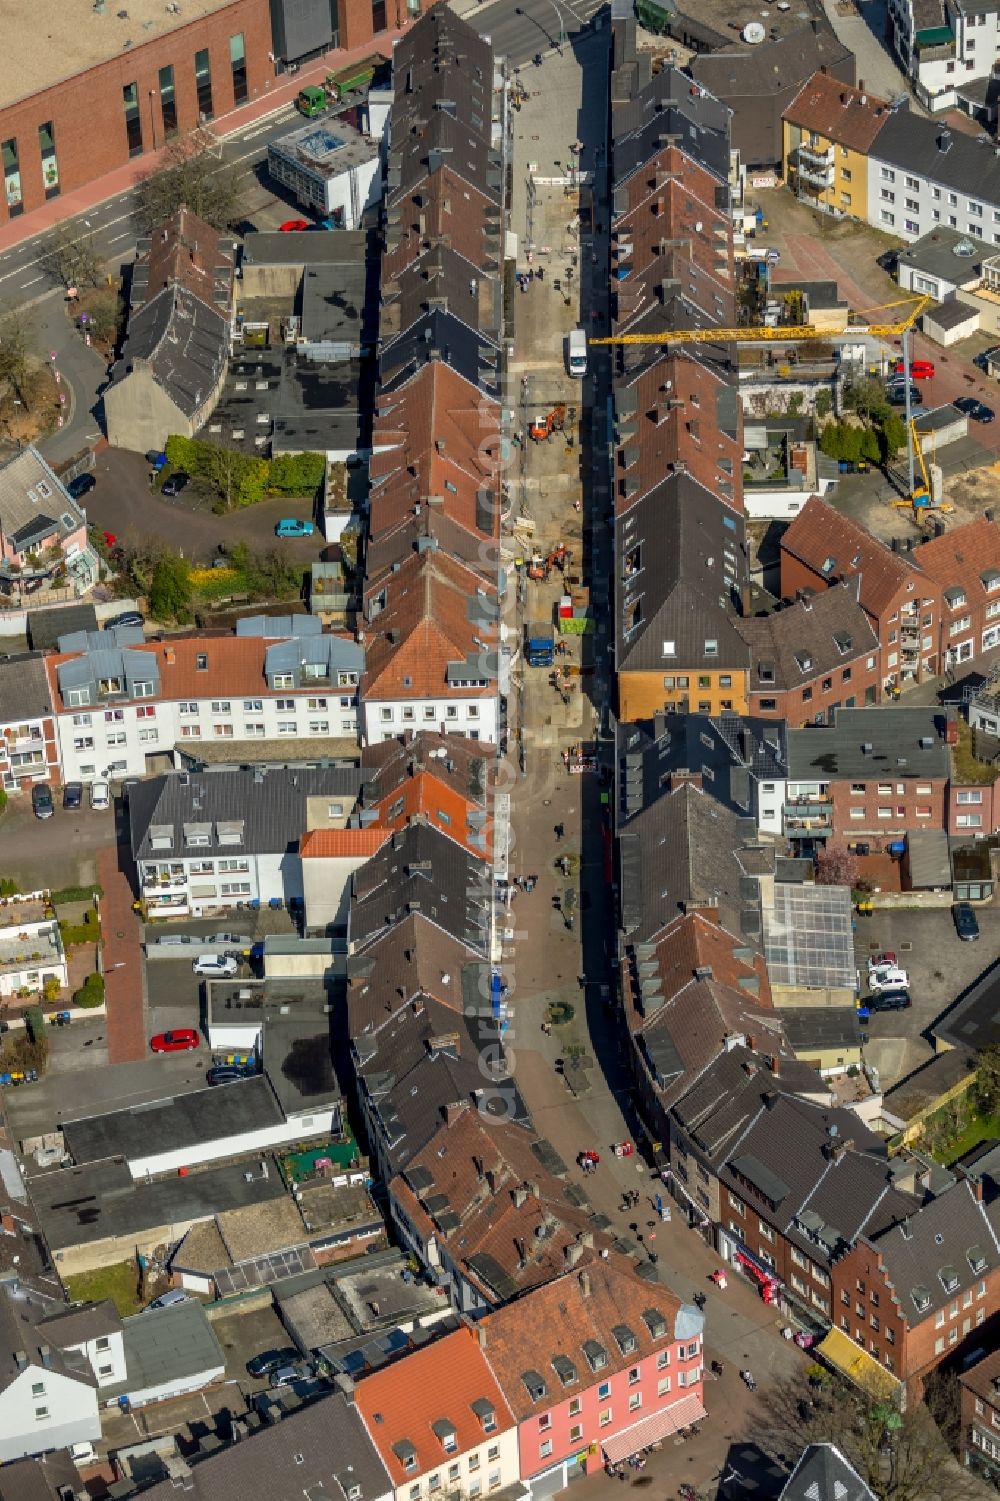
x: 576, y: 352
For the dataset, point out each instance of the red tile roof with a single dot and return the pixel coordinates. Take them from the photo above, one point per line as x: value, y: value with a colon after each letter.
x: 833, y: 546
x: 186, y: 251
x: 838, y: 112
x: 558, y: 1318
x: 235, y: 667
x: 401, y: 1403
x: 960, y: 558
x: 424, y: 626
x: 436, y: 436
x: 349, y: 844
x: 498, y: 1195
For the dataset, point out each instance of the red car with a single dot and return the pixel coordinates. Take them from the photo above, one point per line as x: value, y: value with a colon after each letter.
x: 110, y: 538
x: 291, y: 225
x: 178, y: 1041
x: 919, y: 369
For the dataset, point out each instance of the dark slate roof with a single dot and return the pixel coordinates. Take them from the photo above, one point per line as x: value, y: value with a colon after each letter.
x: 80, y: 1205
x: 683, y: 852
x: 420, y: 869
x: 729, y: 1094
x: 823, y: 1474
x: 43, y: 1479
x: 974, y: 1022
x: 420, y: 1064
x: 667, y: 106
x: 272, y: 248
x: 758, y: 71
x: 914, y: 144
x: 441, y: 334
x: 692, y: 567
x: 944, y: 1249
x: 441, y: 275
x: 187, y: 1120
x: 737, y: 751
x: 836, y: 752
x: 185, y: 341
x: 21, y: 1316
x: 815, y: 635
x: 820, y: 1175
x: 321, y: 1451
x: 270, y: 807
x: 821, y: 1027
x: 24, y: 689
x: 46, y: 626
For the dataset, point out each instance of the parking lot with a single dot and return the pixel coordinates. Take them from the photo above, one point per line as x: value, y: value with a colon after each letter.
x: 122, y: 502
x: 49, y: 853
x: 940, y: 966
x: 242, y: 1335
x: 68, y: 1093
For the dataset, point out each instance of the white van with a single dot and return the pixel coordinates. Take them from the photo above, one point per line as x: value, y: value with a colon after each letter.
x: 764, y: 253
x: 576, y: 352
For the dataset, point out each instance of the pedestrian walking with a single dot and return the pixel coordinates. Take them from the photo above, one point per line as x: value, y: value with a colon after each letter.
x: 559, y: 830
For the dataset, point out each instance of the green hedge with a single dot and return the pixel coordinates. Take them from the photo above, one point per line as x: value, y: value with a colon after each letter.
x: 89, y: 931
x: 75, y: 894
x: 91, y: 992
x: 241, y: 479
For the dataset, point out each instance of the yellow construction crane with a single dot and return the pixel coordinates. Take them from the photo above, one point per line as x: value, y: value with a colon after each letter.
x: 922, y: 498
x: 757, y: 334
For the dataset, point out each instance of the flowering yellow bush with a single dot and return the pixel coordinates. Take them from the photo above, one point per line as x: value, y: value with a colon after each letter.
x: 201, y: 576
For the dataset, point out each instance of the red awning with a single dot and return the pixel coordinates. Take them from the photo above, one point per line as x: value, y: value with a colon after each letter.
x: 658, y: 1425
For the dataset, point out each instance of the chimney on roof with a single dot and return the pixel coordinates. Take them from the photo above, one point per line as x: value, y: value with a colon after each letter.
x: 46, y: 1355
x: 977, y: 1189
x: 861, y: 85
x: 520, y: 1197
x: 534, y: 1190
x: 751, y: 1042
x: 573, y: 1254
x: 585, y: 1284
x: 481, y: 1335
x: 775, y: 1064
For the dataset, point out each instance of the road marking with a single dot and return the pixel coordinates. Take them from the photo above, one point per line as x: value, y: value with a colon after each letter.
x: 34, y: 280
x: 126, y: 234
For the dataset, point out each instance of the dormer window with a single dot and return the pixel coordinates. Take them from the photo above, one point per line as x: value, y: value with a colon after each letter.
x: 921, y: 1299
x: 976, y: 1259
x: 949, y: 1278
x: 597, y: 1356
x: 446, y: 1432
x: 486, y: 1413
x: 110, y: 685
x: 624, y: 1338
x: 711, y: 648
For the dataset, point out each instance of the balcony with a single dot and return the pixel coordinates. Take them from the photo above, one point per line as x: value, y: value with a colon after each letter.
x: 816, y: 156
x: 808, y: 818
x: 818, y: 177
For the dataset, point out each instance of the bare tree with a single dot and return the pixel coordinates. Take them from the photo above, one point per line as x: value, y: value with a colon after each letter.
x: 901, y: 1456
x: 18, y: 361
x: 193, y: 175
x: 72, y: 259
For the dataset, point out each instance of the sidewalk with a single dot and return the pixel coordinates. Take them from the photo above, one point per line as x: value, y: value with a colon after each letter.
x: 123, y: 964
x: 123, y: 179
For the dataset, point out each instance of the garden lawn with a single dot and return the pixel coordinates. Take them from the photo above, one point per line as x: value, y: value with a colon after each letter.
x: 118, y: 1282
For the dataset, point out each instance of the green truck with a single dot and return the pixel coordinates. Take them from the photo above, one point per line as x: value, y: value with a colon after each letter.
x: 315, y: 99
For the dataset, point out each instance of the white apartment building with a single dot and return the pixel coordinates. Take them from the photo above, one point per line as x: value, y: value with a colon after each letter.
x: 125, y: 706
x: 922, y: 176
x: 943, y: 44
x: 205, y: 841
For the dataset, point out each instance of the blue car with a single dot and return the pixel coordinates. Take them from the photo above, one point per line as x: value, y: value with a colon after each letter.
x: 289, y: 527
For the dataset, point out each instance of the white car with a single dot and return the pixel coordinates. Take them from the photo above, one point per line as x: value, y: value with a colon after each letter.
x: 100, y: 795
x: 216, y: 966
x: 887, y: 977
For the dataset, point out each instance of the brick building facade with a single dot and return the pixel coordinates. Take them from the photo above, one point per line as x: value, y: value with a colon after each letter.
x: 922, y: 1290
x: 145, y: 81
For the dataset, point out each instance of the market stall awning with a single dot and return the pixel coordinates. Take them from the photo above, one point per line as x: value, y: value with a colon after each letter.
x: 841, y: 1352
x: 658, y: 1425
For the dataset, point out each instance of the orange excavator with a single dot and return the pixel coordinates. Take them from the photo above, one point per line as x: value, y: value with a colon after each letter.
x: 544, y: 427
x: 539, y: 568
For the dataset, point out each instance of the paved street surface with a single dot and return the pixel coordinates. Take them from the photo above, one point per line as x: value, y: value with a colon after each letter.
x: 864, y: 32
x: 561, y: 935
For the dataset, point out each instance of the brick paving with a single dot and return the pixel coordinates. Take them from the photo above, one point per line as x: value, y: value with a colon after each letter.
x: 123, y: 963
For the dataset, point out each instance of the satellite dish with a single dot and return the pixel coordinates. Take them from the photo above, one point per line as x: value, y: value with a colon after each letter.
x: 753, y: 32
